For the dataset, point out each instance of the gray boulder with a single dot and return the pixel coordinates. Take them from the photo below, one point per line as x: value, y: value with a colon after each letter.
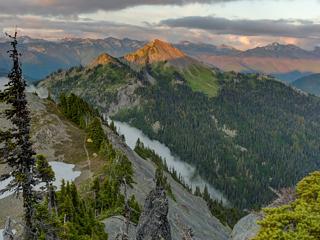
x: 246, y: 228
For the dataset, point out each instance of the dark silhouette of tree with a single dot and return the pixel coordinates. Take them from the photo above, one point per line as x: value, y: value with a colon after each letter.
x: 17, y: 150
x: 206, y: 194
x: 46, y: 175
x: 197, y: 192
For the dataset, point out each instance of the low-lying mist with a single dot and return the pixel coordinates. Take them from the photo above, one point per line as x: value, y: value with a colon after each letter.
x: 187, y: 172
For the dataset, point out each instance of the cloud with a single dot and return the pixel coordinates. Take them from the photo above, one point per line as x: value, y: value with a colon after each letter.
x: 38, y: 27
x: 75, y: 7
x: 52, y: 29
x: 243, y: 27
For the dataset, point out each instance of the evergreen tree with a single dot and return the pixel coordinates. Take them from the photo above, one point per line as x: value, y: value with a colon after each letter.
x: 161, y: 180
x: 63, y: 103
x: 46, y: 175
x: 135, y: 209
x: 197, y: 192
x: 299, y: 219
x: 17, y: 148
x: 96, y: 132
x: 206, y: 195
x: 113, y: 127
x: 44, y: 170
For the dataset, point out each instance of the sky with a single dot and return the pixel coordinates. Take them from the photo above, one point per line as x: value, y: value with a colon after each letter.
x: 240, y: 23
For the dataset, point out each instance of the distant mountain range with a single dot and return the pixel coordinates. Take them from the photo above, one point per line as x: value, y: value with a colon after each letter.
x: 41, y: 57
x: 286, y: 62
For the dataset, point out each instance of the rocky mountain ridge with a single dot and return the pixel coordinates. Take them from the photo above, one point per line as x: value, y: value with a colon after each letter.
x: 288, y: 62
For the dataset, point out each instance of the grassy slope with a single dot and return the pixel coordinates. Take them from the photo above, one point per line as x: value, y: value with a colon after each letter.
x: 202, y: 79
x: 73, y: 149
x: 198, y: 77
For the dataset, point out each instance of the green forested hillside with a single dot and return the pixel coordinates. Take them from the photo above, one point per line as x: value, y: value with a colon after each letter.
x: 256, y: 133
x: 225, y: 214
x: 243, y: 132
x: 78, y: 214
x: 98, y: 84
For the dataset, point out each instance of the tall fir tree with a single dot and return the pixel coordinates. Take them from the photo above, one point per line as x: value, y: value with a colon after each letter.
x: 206, y: 194
x: 17, y: 151
x: 46, y: 175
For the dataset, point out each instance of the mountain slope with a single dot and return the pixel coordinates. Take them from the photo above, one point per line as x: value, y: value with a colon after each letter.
x: 243, y: 132
x: 166, y: 58
x: 187, y: 211
x: 61, y: 140
x: 155, y: 51
x: 112, y: 82
x: 309, y: 84
x: 233, y: 139
x: 102, y: 59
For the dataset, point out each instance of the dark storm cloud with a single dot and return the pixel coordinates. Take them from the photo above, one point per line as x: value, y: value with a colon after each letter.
x: 284, y: 28
x: 75, y: 7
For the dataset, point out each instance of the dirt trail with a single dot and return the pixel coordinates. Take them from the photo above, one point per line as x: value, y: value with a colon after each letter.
x: 87, y: 153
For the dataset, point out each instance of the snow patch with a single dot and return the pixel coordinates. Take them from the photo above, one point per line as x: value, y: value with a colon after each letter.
x: 62, y: 171
x: 41, y: 92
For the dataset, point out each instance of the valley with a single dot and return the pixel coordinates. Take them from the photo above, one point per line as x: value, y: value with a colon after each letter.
x: 242, y: 132
x: 177, y: 106
x: 159, y: 120
x: 183, y: 169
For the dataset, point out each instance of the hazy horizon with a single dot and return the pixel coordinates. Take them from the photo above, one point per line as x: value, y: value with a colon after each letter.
x: 172, y: 42
x: 242, y: 24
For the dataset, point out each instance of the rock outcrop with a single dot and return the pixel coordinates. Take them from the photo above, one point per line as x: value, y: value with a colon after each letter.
x: 246, y: 228
x: 8, y: 231
x: 153, y: 223
x: 115, y: 224
x: 155, y: 51
x: 102, y: 59
x: 186, y: 211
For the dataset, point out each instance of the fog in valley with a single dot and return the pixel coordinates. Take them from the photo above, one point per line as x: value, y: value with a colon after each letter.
x: 187, y: 171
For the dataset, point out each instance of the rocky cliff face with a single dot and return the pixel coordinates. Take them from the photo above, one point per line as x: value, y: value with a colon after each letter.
x: 187, y: 212
x: 153, y: 223
x: 155, y: 51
